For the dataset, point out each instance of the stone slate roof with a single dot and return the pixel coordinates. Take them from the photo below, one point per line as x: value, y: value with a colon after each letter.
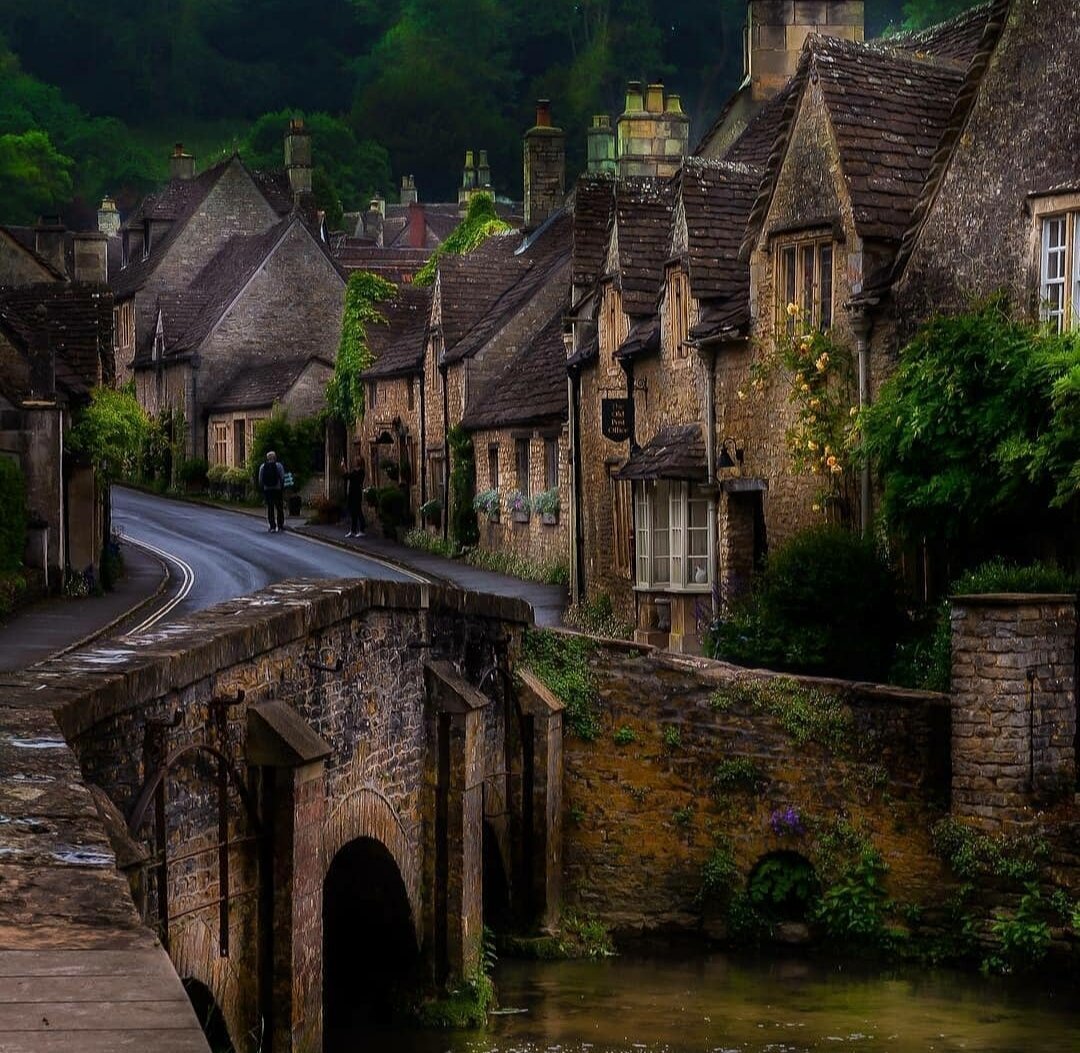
x: 177, y: 202
x: 643, y: 339
x: 190, y: 315
x: 586, y: 352
x: 531, y: 389
x: 77, y: 324
x: 24, y: 237
x: 536, y: 263
x: 758, y: 139
x: 674, y: 452
x: 717, y: 198
x: 257, y: 388
x: 643, y: 210
x: 722, y: 321
x: 958, y: 40
x: 471, y: 285
x: 594, y: 203
x: 398, y: 346
x: 396, y: 264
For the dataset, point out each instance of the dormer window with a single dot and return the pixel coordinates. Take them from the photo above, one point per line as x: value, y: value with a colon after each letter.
x: 1059, y: 273
x: 804, y: 270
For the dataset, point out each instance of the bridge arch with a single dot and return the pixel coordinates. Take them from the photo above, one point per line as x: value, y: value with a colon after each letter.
x: 210, y: 1016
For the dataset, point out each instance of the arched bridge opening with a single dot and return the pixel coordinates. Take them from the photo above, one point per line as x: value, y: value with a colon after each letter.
x: 210, y: 1017
x: 370, y: 954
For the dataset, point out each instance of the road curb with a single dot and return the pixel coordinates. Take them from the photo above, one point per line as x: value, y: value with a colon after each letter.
x: 97, y: 634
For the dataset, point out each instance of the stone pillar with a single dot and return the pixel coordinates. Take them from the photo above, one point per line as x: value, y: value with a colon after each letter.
x: 460, y: 911
x: 1013, y: 705
x: 546, y: 778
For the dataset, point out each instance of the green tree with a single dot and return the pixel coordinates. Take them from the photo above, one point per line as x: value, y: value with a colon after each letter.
x: 918, y: 14
x: 34, y: 176
x: 109, y: 433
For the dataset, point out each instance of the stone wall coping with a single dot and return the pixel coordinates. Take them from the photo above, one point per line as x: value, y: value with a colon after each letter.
x: 1012, y: 599
x: 110, y: 678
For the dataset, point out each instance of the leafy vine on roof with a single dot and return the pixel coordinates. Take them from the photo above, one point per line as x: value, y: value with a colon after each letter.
x: 345, y: 389
x: 480, y: 222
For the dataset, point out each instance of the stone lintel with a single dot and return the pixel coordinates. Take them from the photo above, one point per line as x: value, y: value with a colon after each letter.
x: 278, y: 737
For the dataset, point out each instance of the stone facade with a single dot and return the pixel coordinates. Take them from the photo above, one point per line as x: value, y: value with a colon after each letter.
x: 349, y: 711
x: 642, y: 816
x: 1013, y: 706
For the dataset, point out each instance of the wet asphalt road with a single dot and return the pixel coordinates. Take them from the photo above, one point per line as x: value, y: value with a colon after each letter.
x: 218, y: 555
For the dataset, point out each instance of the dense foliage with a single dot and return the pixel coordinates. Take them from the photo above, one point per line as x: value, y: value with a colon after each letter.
x: 561, y: 662
x: 295, y: 442
x: 345, y: 391
x: 110, y: 433
x: 979, y: 425
x: 825, y: 603
x: 423, y: 78
x: 463, y: 526
x: 480, y: 222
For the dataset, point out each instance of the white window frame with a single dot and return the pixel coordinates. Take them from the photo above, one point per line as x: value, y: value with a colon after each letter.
x: 662, y: 535
x: 1059, y: 269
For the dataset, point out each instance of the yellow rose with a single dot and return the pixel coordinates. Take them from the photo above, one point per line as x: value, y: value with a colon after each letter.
x: 815, y: 403
x: 837, y: 468
x: 741, y: 394
x: 811, y: 445
x: 822, y: 362
x: 816, y: 507
x: 792, y: 310
x: 830, y: 461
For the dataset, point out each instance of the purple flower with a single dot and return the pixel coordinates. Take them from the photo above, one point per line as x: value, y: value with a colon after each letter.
x: 786, y: 822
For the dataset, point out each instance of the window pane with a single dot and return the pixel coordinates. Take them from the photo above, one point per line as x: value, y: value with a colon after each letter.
x: 661, y: 534
x: 806, y: 275
x: 678, y: 534
x: 641, y: 533
x: 787, y: 285
x: 697, y: 540
x: 521, y: 448
x: 825, y: 265
x: 1076, y: 272
x: 551, y: 464
x: 1053, y: 271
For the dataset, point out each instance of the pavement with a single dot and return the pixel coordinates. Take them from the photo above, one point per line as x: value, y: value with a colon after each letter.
x: 59, y: 623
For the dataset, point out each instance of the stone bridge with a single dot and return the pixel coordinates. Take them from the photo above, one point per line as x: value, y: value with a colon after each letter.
x: 317, y: 794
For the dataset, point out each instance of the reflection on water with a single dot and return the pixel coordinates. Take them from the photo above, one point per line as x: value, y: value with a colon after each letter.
x: 716, y: 1004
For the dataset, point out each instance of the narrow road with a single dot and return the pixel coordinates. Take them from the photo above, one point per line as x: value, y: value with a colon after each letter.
x: 215, y: 555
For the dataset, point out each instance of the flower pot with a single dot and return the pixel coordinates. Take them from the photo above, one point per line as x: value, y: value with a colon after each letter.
x: 549, y: 518
x: 520, y: 517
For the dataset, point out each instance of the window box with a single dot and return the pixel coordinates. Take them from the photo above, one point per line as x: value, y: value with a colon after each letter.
x: 549, y: 518
x: 546, y: 506
x: 519, y: 507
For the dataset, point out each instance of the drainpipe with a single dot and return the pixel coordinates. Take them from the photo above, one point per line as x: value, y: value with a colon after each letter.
x: 577, y: 547
x: 423, y: 436
x: 861, y: 326
x: 710, y: 461
x: 443, y: 372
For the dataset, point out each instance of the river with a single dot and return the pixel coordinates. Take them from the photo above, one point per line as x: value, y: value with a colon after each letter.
x: 716, y: 1003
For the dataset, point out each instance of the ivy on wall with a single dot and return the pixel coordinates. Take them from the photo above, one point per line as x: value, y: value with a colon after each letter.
x: 345, y: 390
x: 480, y: 222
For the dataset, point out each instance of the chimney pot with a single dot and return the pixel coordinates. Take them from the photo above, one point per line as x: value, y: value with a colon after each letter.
x: 654, y: 98
x: 109, y: 217
x: 181, y: 164
x: 634, y: 102
x: 417, y: 225
x: 673, y: 104
x: 543, y: 113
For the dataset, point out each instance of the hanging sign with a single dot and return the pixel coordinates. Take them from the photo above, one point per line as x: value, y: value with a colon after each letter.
x: 615, y: 419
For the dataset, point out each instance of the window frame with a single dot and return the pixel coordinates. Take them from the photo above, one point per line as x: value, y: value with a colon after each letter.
x: 1066, y: 316
x: 790, y: 258
x: 663, y: 530
x: 522, y: 464
x: 221, y: 442
x: 677, y: 302
x: 493, y: 466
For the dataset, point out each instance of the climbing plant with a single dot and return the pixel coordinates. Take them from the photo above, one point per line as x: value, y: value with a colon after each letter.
x: 480, y: 222
x: 345, y: 389
x: 463, y: 526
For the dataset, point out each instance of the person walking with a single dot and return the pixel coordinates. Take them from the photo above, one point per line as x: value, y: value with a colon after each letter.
x: 272, y: 484
x: 354, y: 496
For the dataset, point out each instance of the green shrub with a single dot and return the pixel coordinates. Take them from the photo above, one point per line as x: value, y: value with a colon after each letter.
x: 719, y: 872
x: 192, y: 472
x: 999, y: 575
x: 783, y: 887
x: 561, y: 662
x: 971, y: 853
x: 393, y: 509
x: 12, y: 590
x: 924, y: 656
x: 297, y: 444
x: 436, y: 544
x: 555, y: 572
x: 853, y: 910
x: 463, y: 525
x: 12, y: 515
x: 735, y: 774
x: 480, y: 222
x: 826, y: 603
x: 1023, y: 938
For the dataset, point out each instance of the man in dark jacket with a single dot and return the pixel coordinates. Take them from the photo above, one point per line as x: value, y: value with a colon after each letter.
x: 272, y: 484
x: 354, y: 497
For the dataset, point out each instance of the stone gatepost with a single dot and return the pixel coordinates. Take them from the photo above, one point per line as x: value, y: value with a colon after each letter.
x: 544, y: 779
x: 1013, y: 705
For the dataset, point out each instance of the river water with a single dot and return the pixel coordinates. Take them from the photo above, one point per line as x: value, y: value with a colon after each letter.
x: 720, y: 1004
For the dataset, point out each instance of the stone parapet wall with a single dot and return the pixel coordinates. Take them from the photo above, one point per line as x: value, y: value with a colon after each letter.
x: 1013, y: 706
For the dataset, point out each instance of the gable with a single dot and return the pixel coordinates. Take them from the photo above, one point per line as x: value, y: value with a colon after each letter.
x: 20, y: 265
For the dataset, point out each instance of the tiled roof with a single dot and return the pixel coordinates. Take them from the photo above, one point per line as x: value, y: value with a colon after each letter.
x: 263, y: 386
x: 956, y: 40
x: 78, y: 323
x: 531, y: 389
x: 674, y: 452
x: 398, y: 346
x: 643, y: 228
x: 471, y: 285
x: 888, y: 113
x: 755, y: 144
x: 726, y: 320
x: 24, y: 238
x: 398, y: 264
x: 588, y: 350
x: 537, y: 262
x: 717, y: 198
x: 643, y: 339
x: 594, y: 202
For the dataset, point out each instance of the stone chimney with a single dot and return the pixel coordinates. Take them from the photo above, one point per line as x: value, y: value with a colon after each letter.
x: 545, y: 168
x: 408, y: 190
x: 91, y: 257
x: 653, y: 133
x: 600, y: 145
x: 108, y: 218
x: 468, y: 179
x: 417, y: 225
x: 181, y: 164
x: 50, y: 236
x: 777, y: 30
x: 298, y: 157
x: 373, y: 222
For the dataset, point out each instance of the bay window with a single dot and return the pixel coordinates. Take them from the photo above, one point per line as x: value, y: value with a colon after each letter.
x: 673, y: 536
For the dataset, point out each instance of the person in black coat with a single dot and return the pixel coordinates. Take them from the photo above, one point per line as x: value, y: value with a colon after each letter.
x: 272, y: 484
x: 354, y: 496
